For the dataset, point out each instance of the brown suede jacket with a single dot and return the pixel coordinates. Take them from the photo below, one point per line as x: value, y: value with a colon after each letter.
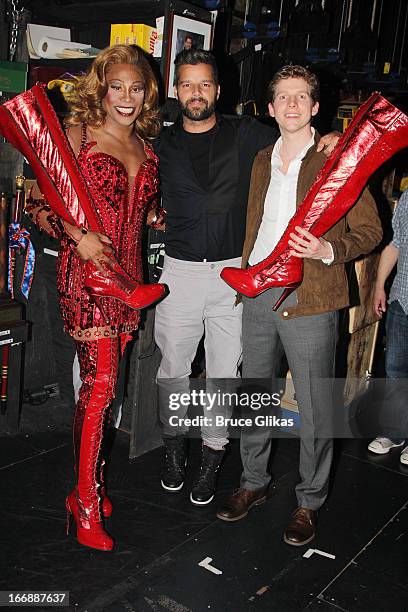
x: 324, y: 287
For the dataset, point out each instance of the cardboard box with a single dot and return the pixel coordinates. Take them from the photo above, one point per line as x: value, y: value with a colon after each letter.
x: 134, y: 34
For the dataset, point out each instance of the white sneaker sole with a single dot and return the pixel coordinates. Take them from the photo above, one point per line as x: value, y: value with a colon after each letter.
x: 404, y: 458
x: 383, y: 451
x: 198, y: 503
x: 172, y: 489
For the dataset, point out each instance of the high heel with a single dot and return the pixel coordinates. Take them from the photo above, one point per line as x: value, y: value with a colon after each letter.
x: 376, y: 133
x: 115, y: 283
x: 90, y: 531
x: 69, y: 515
x: 98, y: 303
x: 107, y: 507
x: 285, y: 293
x: 72, y: 509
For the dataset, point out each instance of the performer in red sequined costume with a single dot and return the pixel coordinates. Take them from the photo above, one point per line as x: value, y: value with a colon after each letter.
x: 115, y: 110
x: 122, y: 209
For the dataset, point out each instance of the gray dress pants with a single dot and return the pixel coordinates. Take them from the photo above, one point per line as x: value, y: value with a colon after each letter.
x: 309, y: 343
x: 198, y: 301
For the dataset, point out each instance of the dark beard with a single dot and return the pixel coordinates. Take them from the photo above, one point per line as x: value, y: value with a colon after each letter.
x: 198, y: 115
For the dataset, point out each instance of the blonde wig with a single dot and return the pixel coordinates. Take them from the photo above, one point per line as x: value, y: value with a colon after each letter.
x: 86, y: 103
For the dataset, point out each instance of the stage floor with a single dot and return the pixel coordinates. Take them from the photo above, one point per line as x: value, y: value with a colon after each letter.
x: 161, y: 538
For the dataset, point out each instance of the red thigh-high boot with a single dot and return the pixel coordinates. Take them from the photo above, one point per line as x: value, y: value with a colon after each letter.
x: 377, y: 131
x: 106, y: 503
x: 98, y: 362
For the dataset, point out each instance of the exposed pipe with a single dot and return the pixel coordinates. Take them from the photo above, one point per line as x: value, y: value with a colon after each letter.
x: 350, y: 12
x: 341, y: 25
x: 280, y: 13
x: 378, y: 30
x: 379, y: 20
x: 403, y: 39
x: 373, y: 11
x: 242, y: 64
x: 396, y: 32
x: 373, y: 15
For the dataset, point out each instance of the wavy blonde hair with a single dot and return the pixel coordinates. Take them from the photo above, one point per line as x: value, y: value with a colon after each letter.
x: 86, y: 103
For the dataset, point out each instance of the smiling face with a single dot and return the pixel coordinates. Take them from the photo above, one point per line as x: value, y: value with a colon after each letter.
x: 196, y: 91
x: 293, y: 106
x: 123, y: 101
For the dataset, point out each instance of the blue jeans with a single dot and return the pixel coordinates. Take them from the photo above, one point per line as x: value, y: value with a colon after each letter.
x: 394, y: 419
x: 396, y: 361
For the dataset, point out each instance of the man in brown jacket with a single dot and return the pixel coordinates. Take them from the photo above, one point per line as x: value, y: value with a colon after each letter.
x: 305, y: 325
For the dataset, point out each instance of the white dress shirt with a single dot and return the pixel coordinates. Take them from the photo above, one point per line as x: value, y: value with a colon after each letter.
x: 280, y: 202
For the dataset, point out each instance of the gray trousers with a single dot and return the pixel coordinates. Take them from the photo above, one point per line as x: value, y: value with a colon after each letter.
x: 309, y: 343
x: 199, y: 301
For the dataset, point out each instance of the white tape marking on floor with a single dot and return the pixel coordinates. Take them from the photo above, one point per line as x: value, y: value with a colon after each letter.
x: 310, y: 552
x: 205, y: 563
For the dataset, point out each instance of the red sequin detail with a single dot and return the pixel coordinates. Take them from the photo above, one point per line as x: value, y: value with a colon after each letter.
x: 122, y: 209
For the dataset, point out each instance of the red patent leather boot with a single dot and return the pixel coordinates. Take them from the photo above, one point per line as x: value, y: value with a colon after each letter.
x: 98, y: 362
x: 377, y: 132
x: 115, y: 283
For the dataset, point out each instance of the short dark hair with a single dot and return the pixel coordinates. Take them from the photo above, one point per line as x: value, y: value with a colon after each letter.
x: 295, y: 72
x: 194, y: 57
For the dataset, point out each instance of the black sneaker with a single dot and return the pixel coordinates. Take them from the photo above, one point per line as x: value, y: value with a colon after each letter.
x: 175, y: 461
x: 203, y: 489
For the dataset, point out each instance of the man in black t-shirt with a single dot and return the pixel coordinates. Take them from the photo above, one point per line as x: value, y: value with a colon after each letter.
x: 205, y: 168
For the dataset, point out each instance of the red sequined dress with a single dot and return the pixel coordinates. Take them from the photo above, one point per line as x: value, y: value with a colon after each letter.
x: 122, y: 208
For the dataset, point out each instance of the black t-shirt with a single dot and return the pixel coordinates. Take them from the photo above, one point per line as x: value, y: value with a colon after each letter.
x: 199, y: 145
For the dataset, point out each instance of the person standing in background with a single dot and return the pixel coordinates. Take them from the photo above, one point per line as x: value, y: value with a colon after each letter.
x: 394, y: 412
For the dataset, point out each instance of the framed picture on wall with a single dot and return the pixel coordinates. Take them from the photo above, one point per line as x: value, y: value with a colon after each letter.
x: 185, y: 33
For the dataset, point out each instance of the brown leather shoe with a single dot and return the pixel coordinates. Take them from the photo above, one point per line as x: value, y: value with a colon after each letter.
x: 302, y: 527
x: 240, y: 503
